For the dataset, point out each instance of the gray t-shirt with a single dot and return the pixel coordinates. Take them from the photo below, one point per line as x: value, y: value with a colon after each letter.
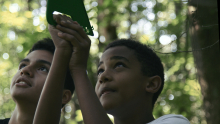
x: 170, y: 119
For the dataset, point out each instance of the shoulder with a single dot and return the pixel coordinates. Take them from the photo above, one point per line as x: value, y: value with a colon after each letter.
x: 171, y: 119
x: 4, y: 121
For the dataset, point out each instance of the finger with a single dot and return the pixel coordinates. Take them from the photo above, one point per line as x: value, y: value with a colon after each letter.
x: 75, y: 22
x: 51, y: 28
x: 69, y: 38
x: 53, y: 31
x: 58, y: 18
x: 68, y: 19
x: 71, y: 32
x: 75, y: 26
x: 68, y: 22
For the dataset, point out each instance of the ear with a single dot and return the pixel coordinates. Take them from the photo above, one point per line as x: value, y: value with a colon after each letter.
x: 66, y: 96
x: 153, y: 84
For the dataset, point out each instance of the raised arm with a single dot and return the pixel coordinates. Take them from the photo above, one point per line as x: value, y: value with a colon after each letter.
x: 92, y: 110
x: 50, y: 102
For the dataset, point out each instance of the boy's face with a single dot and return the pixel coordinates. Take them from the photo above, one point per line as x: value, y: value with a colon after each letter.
x: 28, y: 82
x: 121, y: 83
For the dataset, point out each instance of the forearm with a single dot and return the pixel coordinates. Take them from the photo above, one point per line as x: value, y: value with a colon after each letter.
x: 49, y: 105
x: 92, y: 110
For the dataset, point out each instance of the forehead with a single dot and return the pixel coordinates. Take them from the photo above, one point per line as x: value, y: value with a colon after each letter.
x: 122, y: 51
x: 40, y: 54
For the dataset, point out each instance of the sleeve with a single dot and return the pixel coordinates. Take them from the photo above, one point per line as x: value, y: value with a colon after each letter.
x: 175, y: 120
x: 4, y: 121
x: 171, y: 119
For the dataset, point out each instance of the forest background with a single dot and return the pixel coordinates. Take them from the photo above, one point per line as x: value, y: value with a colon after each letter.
x: 163, y: 25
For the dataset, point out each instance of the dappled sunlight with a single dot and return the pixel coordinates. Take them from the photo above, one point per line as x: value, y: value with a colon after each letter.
x: 5, y: 56
x: 156, y: 23
x: 79, y: 115
x: 14, y: 8
x: 94, y: 47
x: 111, y: 117
x: 8, y: 18
x: 11, y: 35
x: 165, y: 39
x: 4, y: 65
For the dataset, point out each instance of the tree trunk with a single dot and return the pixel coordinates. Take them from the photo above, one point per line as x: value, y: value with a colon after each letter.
x: 108, y: 30
x: 204, y: 34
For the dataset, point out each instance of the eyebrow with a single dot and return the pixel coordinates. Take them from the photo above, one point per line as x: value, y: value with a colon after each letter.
x: 115, y: 58
x: 38, y: 61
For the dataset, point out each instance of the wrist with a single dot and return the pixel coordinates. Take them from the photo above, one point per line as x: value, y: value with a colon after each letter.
x: 64, y: 52
x: 78, y: 71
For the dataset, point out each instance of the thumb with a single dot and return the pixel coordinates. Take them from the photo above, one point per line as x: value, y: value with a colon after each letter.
x: 53, y: 32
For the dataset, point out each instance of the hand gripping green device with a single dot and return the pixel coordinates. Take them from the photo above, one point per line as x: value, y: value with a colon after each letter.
x: 73, y: 8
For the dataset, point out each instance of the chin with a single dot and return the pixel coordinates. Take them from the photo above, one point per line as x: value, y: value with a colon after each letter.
x: 18, y: 96
x: 21, y: 96
x: 108, y: 106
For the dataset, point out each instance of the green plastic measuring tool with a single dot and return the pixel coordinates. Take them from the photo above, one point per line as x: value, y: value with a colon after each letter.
x: 73, y: 8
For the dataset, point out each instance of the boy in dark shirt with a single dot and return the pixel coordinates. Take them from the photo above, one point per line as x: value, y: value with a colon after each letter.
x: 28, y: 82
x: 130, y: 79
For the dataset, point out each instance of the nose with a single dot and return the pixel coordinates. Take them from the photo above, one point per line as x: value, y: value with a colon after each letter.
x: 105, y: 77
x: 26, y: 71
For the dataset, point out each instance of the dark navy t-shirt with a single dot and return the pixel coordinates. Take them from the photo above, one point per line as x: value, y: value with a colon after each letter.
x: 4, y: 121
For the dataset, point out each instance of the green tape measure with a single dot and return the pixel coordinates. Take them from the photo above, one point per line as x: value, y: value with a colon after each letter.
x: 72, y: 8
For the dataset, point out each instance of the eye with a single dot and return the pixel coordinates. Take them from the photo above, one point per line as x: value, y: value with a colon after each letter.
x: 100, y: 71
x: 21, y: 66
x: 43, y: 69
x: 119, y: 64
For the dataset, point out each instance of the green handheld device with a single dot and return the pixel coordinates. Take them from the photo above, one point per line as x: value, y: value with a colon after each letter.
x: 73, y: 8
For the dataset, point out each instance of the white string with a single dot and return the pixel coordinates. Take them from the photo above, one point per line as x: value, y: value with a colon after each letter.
x: 209, y: 25
x: 188, y: 51
x: 192, y: 49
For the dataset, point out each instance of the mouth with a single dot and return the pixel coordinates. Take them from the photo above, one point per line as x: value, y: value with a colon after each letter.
x: 106, y: 90
x: 23, y: 82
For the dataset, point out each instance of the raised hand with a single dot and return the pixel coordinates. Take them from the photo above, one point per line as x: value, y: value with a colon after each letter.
x: 72, y: 32
x: 59, y: 42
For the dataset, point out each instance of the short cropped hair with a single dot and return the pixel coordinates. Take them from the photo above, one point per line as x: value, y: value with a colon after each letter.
x: 150, y: 62
x: 48, y: 45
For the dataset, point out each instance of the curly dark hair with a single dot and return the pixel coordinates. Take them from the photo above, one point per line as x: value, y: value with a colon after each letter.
x: 48, y: 45
x: 150, y: 62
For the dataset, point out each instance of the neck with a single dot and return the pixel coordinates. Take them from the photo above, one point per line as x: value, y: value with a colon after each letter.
x: 141, y: 114
x: 23, y: 114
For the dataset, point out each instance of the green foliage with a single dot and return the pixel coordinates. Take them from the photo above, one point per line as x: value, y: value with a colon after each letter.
x: 22, y: 26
